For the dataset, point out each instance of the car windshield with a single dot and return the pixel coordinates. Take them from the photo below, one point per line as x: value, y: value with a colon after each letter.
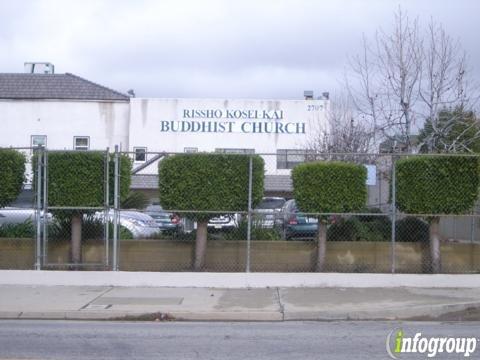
x: 271, y: 204
x: 162, y: 215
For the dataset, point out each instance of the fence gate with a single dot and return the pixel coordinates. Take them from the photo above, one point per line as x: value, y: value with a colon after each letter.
x: 74, y: 214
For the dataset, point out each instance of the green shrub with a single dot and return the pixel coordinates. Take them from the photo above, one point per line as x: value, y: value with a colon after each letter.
x: 92, y: 229
x: 135, y: 200
x: 12, y: 170
x: 205, y: 182
x: 257, y: 231
x: 437, y: 184
x: 434, y: 185
x: 411, y: 229
x: 343, y: 230
x: 20, y: 230
x: 378, y: 228
x: 208, y: 182
x: 360, y: 228
x: 330, y: 187
x: 77, y: 178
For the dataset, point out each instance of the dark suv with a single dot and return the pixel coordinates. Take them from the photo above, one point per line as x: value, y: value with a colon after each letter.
x: 168, y: 223
x: 295, y: 224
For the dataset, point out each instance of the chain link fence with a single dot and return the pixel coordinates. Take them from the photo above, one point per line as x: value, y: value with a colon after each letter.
x: 124, y: 226
x: 18, y: 222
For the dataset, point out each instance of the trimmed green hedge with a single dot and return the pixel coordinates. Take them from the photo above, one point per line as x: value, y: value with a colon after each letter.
x: 77, y: 178
x: 204, y: 182
x: 12, y: 170
x: 437, y: 184
x: 329, y: 187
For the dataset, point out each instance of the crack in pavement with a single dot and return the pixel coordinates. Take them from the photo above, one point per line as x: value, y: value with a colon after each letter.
x: 280, y: 304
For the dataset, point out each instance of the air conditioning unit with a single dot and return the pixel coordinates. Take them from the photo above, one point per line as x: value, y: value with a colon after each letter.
x: 39, y: 68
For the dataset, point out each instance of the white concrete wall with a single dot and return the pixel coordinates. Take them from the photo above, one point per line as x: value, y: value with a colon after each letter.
x: 151, y: 122
x: 106, y: 123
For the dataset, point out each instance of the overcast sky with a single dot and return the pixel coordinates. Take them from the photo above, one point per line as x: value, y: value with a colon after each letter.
x: 216, y: 49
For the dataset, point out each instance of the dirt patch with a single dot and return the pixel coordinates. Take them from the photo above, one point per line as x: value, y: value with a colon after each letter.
x: 469, y: 314
x: 145, y: 317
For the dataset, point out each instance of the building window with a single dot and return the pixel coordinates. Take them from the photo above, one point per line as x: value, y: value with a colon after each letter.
x: 140, y: 154
x: 81, y: 142
x: 38, y: 141
x: 190, y: 150
x: 289, y: 158
x: 235, y: 151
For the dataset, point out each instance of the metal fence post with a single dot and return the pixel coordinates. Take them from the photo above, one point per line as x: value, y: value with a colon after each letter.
x: 394, y: 212
x: 249, y: 223
x: 107, y: 207
x: 115, y: 210
x: 38, y: 249
x: 45, y: 205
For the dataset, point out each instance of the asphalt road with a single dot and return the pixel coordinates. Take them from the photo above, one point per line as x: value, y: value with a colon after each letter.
x: 26, y: 339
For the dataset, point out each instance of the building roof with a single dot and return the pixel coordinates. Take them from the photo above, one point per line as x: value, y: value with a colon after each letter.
x: 144, y: 182
x: 273, y: 183
x: 280, y: 183
x: 54, y: 86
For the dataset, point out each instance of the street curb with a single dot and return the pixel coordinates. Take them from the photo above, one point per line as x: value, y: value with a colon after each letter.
x: 234, y: 280
x: 276, y: 316
x: 390, y: 314
x: 131, y: 316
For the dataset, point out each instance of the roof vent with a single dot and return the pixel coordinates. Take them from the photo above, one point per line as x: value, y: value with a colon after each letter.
x: 308, y: 94
x: 39, y: 68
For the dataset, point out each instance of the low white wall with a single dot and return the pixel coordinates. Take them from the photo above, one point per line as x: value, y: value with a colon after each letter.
x: 232, y: 280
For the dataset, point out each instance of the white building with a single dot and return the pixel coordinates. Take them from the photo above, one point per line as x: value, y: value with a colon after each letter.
x: 64, y: 111
x: 61, y: 111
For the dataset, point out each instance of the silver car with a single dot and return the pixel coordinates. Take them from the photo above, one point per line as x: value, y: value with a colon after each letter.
x: 140, y: 225
x: 268, y: 212
x: 11, y: 215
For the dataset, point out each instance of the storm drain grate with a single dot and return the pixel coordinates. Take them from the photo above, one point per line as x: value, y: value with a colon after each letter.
x: 97, y: 307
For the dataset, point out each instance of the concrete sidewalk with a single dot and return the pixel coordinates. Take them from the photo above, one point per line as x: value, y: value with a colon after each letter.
x: 259, y: 304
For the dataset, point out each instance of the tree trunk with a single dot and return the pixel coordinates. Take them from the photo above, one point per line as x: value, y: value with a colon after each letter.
x: 200, y: 246
x: 321, y: 245
x: 435, y: 245
x: 76, y: 239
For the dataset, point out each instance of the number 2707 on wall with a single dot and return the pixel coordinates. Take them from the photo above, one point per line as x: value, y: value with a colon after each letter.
x: 314, y: 107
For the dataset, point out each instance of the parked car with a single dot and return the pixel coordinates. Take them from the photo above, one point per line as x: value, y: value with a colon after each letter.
x: 167, y: 222
x: 11, y: 215
x: 294, y: 224
x: 140, y: 225
x: 268, y: 212
x: 225, y: 222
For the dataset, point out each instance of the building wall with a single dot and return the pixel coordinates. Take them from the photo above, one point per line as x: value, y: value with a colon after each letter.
x: 172, y: 125
x: 106, y: 123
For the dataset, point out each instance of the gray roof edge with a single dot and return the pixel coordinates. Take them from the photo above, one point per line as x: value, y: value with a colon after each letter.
x: 111, y: 95
x: 126, y: 97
